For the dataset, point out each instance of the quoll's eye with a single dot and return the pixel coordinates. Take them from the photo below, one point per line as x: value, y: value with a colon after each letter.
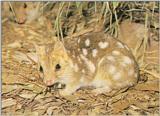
x: 25, y: 5
x: 58, y: 67
x: 10, y: 9
x: 41, y: 69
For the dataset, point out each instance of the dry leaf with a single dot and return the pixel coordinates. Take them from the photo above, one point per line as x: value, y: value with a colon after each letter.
x: 8, y: 102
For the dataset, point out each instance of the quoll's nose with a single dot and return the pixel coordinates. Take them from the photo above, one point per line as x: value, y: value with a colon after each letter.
x: 21, y: 20
x: 49, y: 82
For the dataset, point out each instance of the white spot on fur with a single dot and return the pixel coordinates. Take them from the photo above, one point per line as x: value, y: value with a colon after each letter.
x: 94, y: 52
x: 84, y: 51
x: 103, y: 45
x: 127, y: 60
x: 115, y: 52
x: 111, y: 58
x: 120, y: 45
x: 112, y: 69
x: 89, y: 64
x: 83, y: 71
x: 117, y: 76
x: 87, y: 42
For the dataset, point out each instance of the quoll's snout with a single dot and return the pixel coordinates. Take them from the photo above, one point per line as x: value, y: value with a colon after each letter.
x: 21, y: 18
x: 49, y: 82
x: 49, y: 78
x: 55, y: 85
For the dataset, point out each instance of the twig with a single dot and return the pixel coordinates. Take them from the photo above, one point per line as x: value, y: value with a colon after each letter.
x: 151, y: 73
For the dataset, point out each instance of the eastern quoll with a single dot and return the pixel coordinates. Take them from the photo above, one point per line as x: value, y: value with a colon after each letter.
x: 22, y: 12
x: 93, y: 59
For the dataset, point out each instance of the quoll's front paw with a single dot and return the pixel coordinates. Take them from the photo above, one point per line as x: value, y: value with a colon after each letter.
x: 65, y: 92
x: 68, y: 95
x: 68, y: 90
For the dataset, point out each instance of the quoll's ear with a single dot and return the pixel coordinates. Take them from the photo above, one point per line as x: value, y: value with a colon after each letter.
x: 59, y: 46
x: 40, y: 49
x: 60, y: 49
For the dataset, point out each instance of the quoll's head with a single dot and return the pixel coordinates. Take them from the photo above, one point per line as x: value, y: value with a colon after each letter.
x: 54, y: 63
x: 24, y: 12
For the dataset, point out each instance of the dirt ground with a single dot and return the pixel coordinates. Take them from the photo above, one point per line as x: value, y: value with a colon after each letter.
x: 23, y: 92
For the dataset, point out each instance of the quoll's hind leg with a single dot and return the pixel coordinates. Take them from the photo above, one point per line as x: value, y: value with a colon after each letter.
x: 111, y: 75
x: 101, y: 90
x: 102, y: 82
